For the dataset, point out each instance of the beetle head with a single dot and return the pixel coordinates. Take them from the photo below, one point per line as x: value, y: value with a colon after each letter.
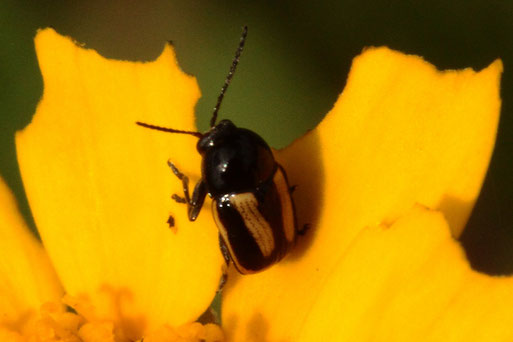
x: 215, y: 135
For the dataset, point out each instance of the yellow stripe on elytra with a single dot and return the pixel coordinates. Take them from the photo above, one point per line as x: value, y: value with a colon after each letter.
x: 224, y: 235
x: 287, y: 211
x: 247, y: 206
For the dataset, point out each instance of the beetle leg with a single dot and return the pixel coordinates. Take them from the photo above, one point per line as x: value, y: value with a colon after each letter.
x: 224, y: 251
x: 198, y: 196
x: 224, y: 278
x: 304, y: 229
x: 178, y: 198
x: 185, y: 184
x: 226, y: 256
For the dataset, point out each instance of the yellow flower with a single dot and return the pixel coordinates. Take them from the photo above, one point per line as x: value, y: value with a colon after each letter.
x: 392, y: 170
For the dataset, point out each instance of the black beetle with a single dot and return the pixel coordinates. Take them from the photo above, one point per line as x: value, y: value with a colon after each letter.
x: 252, y: 203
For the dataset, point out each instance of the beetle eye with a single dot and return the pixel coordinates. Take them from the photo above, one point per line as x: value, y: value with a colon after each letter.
x: 204, y: 144
x: 225, y: 122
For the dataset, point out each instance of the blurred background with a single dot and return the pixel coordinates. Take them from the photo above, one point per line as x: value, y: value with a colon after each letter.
x: 294, y: 67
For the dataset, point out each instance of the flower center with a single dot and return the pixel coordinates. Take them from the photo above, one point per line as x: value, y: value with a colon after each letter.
x: 80, y: 319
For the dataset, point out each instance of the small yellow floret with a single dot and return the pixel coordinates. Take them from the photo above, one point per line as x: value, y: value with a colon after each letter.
x: 53, y: 323
x: 97, y: 331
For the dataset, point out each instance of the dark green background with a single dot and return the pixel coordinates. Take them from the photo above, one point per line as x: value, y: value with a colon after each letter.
x: 296, y: 61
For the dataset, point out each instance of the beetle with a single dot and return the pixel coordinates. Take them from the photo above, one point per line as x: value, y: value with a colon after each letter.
x: 251, y: 197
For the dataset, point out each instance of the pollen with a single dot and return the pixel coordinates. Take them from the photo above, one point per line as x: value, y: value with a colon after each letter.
x: 78, y: 319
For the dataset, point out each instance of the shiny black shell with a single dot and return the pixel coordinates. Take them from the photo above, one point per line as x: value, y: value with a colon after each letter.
x: 252, y: 205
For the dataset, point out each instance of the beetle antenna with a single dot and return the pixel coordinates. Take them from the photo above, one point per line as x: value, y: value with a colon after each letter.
x: 169, y: 130
x: 230, y: 75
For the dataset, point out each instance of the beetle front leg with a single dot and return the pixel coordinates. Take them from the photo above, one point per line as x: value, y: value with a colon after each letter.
x: 198, y: 196
x: 185, y: 184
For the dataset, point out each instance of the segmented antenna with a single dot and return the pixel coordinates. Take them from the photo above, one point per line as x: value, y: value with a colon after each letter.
x: 169, y: 130
x: 230, y: 75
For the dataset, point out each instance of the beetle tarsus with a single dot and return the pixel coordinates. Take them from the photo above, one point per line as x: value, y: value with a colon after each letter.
x: 175, y: 170
x: 303, y: 230
x: 195, y: 203
x: 185, y: 184
x: 178, y: 199
x: 222, y: 281
x: 227, y: 259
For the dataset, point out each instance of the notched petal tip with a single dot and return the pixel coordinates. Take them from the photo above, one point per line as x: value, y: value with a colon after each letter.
x: 494, y: 70
x: 168, y: 54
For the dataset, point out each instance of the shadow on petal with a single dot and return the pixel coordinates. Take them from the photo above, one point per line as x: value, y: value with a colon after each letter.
x: 256, y: 330
x: 456, y: 212
x: 305, y: 170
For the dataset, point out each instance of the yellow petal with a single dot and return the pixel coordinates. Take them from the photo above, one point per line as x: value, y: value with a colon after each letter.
x: 410, y: 282
x: 27, y: 278
x: 401, y: 134
x: 100, y: 189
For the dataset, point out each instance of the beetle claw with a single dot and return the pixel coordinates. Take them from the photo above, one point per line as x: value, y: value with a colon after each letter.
x: 178, y: 199
x: 305, y: 228
x: 175, y: 170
